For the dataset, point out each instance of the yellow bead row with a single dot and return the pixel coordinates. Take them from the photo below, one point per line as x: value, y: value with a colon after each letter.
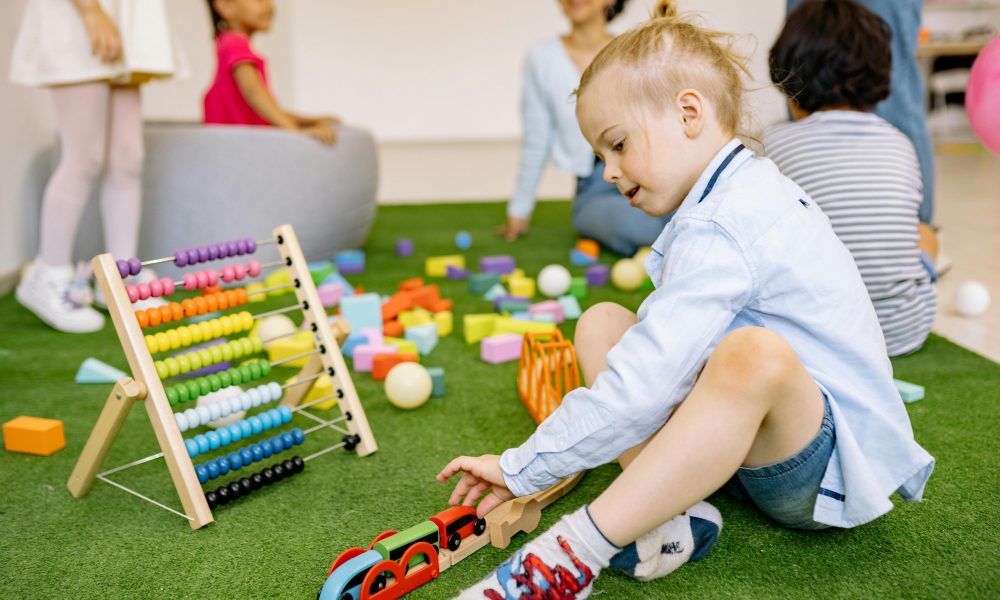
x: 195, y: 333
x: 192, y: 361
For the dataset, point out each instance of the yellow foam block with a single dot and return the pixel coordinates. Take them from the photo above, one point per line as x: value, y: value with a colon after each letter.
x: 478, y: 327
x: 417, y: 316
x: 437, y: 266
x: 512, y: 275
x: 404, y: 346
x: 445, y: 322
x: 521, y: 286
x: 33, y: 435
x: 290, y: 346
x: 509, y: 325
x: 279, y: 277
x: 320, y: 388
x: 253, y: 287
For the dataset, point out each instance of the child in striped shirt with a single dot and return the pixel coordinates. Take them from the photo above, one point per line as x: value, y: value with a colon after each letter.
x: 833, y: 61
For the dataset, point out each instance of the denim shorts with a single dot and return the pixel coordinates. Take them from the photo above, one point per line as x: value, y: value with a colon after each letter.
x: 786, y: 492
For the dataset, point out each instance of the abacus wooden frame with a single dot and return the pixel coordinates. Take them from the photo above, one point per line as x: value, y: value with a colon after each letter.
x: 145, y: 385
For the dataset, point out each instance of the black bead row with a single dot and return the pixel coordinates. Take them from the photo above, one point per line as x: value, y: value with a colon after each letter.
x: 236, y: 489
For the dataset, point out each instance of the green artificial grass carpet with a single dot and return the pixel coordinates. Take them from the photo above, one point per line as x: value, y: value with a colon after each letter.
x: 279, y: 542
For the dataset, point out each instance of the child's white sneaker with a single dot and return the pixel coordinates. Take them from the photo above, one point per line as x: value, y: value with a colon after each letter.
x: 46, y: 291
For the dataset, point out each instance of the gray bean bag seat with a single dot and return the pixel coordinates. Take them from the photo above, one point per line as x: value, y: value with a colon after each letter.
x: 205, y: 184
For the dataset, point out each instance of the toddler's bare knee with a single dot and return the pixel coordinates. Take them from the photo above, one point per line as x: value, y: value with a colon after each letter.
x: 756, y: 354
x: 598, y: 317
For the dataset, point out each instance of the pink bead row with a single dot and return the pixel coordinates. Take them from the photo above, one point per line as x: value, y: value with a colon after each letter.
x: 193, y: 281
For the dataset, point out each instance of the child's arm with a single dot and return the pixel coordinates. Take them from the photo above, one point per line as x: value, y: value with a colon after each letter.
x: 259, y: 98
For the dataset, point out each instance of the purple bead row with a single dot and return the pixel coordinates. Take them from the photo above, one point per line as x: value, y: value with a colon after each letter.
x: 193, y: 256
x: 128, y: 267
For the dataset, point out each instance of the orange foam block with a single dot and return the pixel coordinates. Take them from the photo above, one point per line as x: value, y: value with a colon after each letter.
x: 396, y: 304
x: 427, y: 296
x: 383, y: 363
x: 588, y: 247
x: 33, y: 435
x: 392, y: 329
x: 414, y: 283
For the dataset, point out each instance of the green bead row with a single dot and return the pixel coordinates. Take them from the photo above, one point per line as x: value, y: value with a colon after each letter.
x: 213, y: 355
x: 199, y: 386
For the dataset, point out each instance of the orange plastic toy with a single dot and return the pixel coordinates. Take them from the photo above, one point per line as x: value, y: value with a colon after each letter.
x: 33, y: 435
x: 546, y: 373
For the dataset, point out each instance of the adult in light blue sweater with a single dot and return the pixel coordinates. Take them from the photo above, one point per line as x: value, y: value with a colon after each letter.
x: 551, y: 76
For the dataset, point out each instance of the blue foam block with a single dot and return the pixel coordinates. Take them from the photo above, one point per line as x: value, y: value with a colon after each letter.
x: 95, y: 371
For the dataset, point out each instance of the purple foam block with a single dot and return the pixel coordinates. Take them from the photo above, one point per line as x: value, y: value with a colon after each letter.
x: 351, y: 269
x: 404, y: 247
x: 501, y: 264
x: 456, y: 273
x: 597, y: 275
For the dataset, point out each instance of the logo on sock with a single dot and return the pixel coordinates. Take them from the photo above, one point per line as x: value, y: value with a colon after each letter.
x: 672, y: 548
x: 531, y: 579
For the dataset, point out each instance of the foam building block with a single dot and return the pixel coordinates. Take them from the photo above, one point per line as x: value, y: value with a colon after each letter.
x: 541, y: 317
x: 320, y: 270
x: 364, y: 355
x: 413, y: 283
x: 476, y: 327
x: 442, y: 305
x: 392, y: 329
x: 353, y: 341
x: 415, y: 317
x: 437, y: 380
x: 598, y: 275
x: 373, y: 334
x: 578, y: 287
x: 330, y: 294
x: 290, y: 346
x: 350, y: 261
x: 336, y: 277
x: 579, y: 259
x: 383, y: 363
x: 570, y: 306
x: 424, y: 336
x: 397, y: 303
x: 340, y: 329
x: 480, y: 282
x: 279, y: 277
x: 360, y: 311
x: 509, y: 304
x: 549, y: 307
x: 445, y: 322
x: 501, y: 348
x: 320, y: 388
x: 500, y: 264
x: 909, y: 392
x: 456, y: 273
x: 522, y: 286
x: 509, y: 325
x: 437, y: 266
x: 517, y: 272
x: 94, y: 371
x: 34, y: 435
x: 253, y: 292
x: 404, y: 247
x: 426, y: 297
x: 589, y: 247
x: 495, y: 292
x: 403, y: 346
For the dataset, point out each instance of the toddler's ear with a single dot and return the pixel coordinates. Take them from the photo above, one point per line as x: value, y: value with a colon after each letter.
x: 691, y: 106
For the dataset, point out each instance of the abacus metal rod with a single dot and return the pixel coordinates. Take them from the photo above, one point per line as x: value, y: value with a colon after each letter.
x: 134, y: 463
x: 324, y: 451
x: 283, y: 336
x: 273, y: 288
x: 278, y: 363
x: 277, y: 311
x: 304, y: 380
x: 319, y: 420
x: 146, y: 498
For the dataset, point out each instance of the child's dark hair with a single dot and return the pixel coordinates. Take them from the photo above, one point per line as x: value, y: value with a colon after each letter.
x: 217, y: 21
x: 616, y: 8
x: 833, y: 53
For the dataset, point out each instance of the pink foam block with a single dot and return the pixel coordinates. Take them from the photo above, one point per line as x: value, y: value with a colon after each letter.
x: 364, y: 355
x: 330, y: 294
x: 501, y: 348
x: 374, y: 335
x: 551, y: 307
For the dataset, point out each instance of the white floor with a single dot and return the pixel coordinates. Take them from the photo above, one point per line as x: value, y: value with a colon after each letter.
x: 968, y: 211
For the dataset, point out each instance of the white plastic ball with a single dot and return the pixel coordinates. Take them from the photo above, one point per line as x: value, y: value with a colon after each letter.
x: 627, y: 275
x: 972, y: 299
x: 554, y: 280
x: 208, y: 400
x: 274, y: 326
x: 408, y: 385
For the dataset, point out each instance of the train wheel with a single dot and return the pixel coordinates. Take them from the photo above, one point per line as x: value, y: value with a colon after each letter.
x: 454, y: 541
x: 479, y: 527
x: 378, y: 584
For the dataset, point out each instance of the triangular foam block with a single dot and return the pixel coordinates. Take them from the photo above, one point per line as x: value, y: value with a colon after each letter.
x: 95, y: 371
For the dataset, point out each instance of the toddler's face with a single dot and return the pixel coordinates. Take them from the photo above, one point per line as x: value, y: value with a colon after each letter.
x: 252, y: 15
x: 645, y: 151
x: 583, y: 11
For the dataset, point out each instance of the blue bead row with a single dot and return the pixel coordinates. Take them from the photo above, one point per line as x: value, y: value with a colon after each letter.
x: 246, y: 456
x: 234, y: 432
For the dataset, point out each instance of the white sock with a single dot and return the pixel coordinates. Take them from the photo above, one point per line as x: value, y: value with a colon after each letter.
x: 686, y: 537
x: 561, y: 563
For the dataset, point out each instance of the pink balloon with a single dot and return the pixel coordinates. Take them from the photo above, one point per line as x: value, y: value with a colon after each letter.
x: 982, y: 96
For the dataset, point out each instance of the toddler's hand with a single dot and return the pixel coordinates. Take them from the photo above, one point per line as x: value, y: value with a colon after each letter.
x: 479, y: 473
x: 326, y: 134
x: 105, y: 43
x: 514, y: 228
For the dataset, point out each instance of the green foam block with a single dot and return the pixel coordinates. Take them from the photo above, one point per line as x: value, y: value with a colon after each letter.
x: 909, y: 392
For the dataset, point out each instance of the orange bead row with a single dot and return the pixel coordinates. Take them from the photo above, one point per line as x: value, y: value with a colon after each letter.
x: 199, y: 305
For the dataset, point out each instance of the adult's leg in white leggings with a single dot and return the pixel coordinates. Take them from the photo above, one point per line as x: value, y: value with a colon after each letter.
x: 121, y: 190
x: 82, y: 117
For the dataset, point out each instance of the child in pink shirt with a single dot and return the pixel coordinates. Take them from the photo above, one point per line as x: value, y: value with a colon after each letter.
x: 240, y: 94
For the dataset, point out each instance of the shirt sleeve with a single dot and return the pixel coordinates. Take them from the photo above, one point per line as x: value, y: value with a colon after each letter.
x: 235, y: 50
x: 536, y: 141
x: 707, y: 280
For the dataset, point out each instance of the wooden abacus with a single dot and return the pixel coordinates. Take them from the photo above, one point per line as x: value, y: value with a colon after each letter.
x: 148, y: 374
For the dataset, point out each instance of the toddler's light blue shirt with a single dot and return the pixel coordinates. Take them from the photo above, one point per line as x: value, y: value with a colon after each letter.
x: 746, y: 248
